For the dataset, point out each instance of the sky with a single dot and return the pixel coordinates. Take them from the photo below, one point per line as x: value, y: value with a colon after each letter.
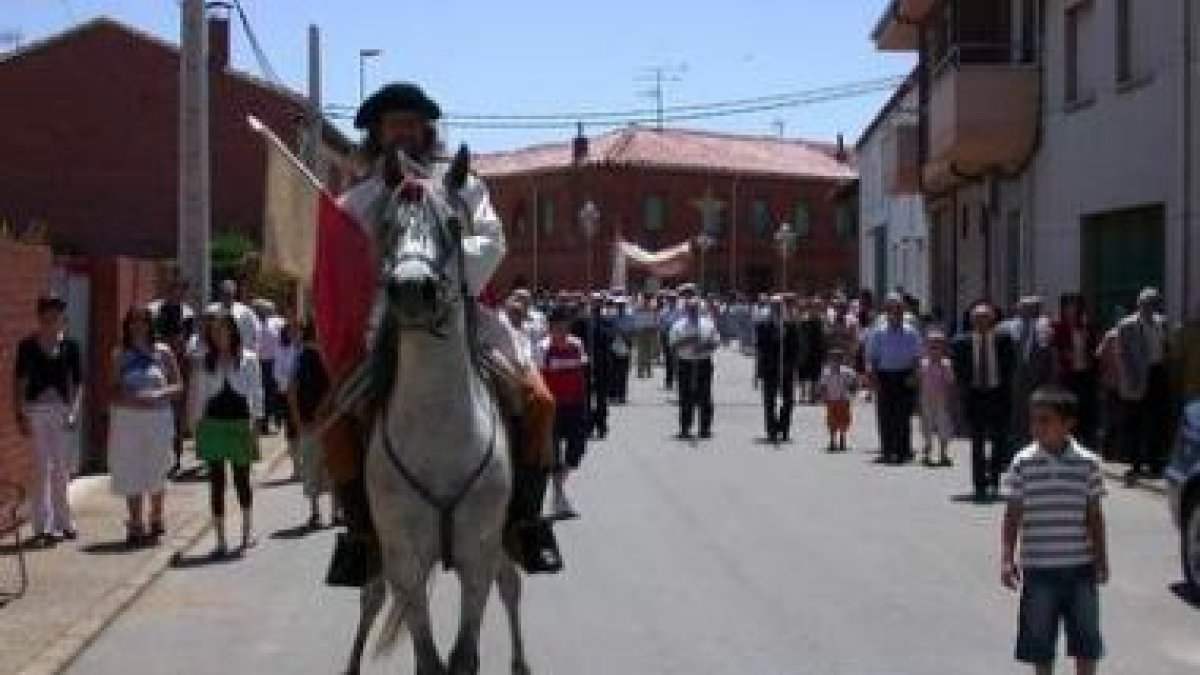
x: 543, y: 56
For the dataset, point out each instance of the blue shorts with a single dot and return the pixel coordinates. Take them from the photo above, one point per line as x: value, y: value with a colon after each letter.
x: 1067, y: 594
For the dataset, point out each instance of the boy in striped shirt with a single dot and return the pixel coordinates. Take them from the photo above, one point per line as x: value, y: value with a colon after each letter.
x: 1054, y: 520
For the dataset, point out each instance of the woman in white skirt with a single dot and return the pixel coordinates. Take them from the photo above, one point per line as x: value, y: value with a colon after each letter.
x: 145, y: 379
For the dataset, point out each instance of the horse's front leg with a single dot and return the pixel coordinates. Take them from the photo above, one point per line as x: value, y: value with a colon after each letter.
x: 477, y: 572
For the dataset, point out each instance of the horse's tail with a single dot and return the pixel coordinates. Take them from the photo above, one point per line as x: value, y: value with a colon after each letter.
x: 392, y: 629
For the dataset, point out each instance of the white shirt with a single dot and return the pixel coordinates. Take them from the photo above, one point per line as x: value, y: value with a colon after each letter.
x: 248, y: 325
x: 484, y: 250
x: 285, y: 365
x: 837, y: 382
x: 703, y: 329
x: 270, y: 332
x: 246, y: 380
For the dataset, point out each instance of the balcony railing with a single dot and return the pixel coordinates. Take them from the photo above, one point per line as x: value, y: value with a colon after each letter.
x: 983, y: 53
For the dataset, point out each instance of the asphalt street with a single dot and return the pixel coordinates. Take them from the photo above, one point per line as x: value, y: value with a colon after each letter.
x: 726, y: 557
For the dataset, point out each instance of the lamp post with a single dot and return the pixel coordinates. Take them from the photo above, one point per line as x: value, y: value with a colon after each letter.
x: 785, y: 240
x: 589, y: 219
x: 363, y: 55
x: 704, y: 241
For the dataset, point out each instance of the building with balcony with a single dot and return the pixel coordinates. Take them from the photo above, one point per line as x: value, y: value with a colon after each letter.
x: 1052, y: 143
x: 653, y: 188
x: 894, y: 237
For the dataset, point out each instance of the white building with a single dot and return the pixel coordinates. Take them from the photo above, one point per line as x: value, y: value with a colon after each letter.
x: 1054, y: 146
x: 894, y: 232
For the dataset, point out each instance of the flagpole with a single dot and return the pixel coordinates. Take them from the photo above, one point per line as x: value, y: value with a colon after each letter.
x: 537, y: 217
x: 257, y: 125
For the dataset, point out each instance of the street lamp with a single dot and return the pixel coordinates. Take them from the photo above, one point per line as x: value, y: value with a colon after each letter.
x: 785, y: 239
x: 704, y: 241
x: 589, y: 220
x: 363, y: 55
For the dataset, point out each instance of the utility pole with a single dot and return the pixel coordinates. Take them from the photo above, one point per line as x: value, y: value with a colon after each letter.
x: 195, y: 208
x: 315, y: 120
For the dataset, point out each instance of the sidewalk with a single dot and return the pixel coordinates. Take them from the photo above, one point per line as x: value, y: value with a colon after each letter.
x: 76, y: 588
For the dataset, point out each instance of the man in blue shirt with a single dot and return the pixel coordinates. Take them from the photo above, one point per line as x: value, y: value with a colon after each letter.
x: 893, y: 352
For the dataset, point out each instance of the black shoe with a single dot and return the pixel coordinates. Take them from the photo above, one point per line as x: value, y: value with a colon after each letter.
x: 772, y: 437
x: 355, y: 562
x: 706, y: 434
x: 981, y: 495
x: 69, y: 534
x: 684, y: 436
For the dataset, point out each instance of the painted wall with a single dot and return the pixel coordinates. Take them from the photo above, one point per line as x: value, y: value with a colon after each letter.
x: 1119, y: 151
x: 903, y: 216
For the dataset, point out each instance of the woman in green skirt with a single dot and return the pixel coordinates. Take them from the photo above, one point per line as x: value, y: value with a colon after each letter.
x: 229, y: 386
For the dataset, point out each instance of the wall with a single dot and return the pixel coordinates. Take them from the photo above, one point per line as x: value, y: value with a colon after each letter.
x: 819, y: 263
x: 101, y: 170
x: 116, y: 285
x: 1121, y: 151
x: 26, y: 276
x: 904, y: 216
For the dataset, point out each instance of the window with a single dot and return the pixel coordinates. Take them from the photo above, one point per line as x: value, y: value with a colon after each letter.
x: 847, y: 222
x: 1124, y: 42
x: 519, y: 220
x: 1080, y: 56
x: 546, y: 215
x: 654, y: 214
x: 1071, y: 47
x: 760, y: 218
x: 803, y: 220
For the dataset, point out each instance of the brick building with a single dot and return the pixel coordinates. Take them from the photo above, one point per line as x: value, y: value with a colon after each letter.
x: 651, y: 188
x: 89, y: 139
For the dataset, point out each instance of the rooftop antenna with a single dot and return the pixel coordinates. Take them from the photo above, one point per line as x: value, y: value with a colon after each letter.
x: 10, y: 39
x: 657, y: 76
x: 780, y: 125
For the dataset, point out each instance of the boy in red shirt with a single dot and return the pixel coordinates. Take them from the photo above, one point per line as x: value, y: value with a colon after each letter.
x: 563, y: 361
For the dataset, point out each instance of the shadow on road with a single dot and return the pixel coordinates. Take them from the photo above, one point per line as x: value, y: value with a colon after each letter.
x: 1186, y: 594
x: 298, y: 532
x: 279, y: 482
x: 186, y: 562
x: 115, y: 547
x: 971, y: 500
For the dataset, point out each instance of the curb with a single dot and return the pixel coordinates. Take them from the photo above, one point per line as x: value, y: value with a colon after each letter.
x: 67, y: 647
x: 1118, y: 476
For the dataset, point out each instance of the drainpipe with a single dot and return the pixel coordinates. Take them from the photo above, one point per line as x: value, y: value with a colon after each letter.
x: 1188, y: 168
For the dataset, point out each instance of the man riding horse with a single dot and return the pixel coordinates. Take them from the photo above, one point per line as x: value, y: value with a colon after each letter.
x: 404, y: 152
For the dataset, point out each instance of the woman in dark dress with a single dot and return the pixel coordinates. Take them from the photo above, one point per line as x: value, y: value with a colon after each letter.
x: 812, y: 348
x: 1075, y: 341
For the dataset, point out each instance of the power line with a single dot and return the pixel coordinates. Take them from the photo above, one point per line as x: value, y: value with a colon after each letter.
x: 264, y: 63
x: 669, y: 113
x: 795, y: 101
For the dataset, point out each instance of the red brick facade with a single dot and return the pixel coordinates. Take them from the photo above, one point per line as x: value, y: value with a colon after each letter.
x: 26, y: 276
x: 745, y: 256
x: 88, y: 137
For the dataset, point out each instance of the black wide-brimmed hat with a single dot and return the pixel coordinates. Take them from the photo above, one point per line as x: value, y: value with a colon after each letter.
x: 398, y: 96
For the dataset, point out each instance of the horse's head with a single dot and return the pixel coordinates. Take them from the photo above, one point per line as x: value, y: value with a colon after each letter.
x: 424, y: 275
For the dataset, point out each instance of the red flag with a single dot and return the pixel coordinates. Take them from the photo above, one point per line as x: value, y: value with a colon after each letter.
x: 343, y: 286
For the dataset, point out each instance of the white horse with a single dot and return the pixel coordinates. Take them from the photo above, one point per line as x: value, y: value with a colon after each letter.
x: 437, y: 471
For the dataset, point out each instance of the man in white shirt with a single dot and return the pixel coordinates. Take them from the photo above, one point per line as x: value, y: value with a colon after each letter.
x: 1143, y: 385
x: 245, y: 318
x: 267, y: 345
x: 694, y: 338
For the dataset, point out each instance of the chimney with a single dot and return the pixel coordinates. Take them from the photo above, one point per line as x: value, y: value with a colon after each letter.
x: 218, y: 40
x: 580, y: 146
x: 841, y: 148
